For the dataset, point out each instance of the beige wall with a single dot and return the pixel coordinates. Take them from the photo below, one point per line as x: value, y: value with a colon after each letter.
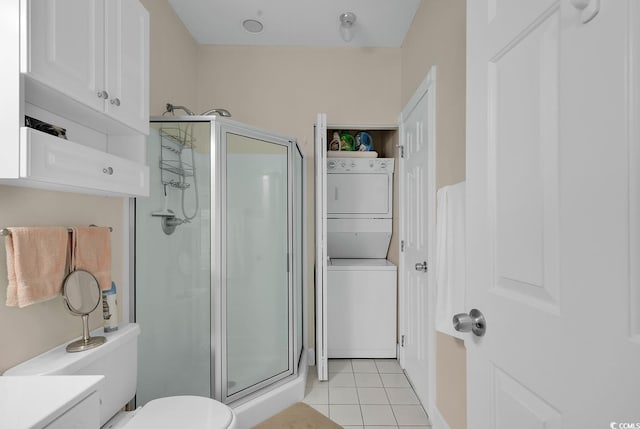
x: 29, y: 331
x: 437, y: 37
x: 172, y: 63
x: 282, y: 89
x: 451, y: 378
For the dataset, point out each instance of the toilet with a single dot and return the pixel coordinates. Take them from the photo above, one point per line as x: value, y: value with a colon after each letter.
x: 117, y: 361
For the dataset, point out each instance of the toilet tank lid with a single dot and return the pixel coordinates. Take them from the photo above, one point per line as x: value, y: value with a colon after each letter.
x: 184, y: 412
x: 58, y: 361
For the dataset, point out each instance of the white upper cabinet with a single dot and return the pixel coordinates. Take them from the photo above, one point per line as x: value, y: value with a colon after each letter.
x: 95, y: 52
x: 66, y: 48
x: 80, y: 65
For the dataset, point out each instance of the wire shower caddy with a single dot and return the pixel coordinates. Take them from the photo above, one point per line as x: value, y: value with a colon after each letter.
x: 174, y: 171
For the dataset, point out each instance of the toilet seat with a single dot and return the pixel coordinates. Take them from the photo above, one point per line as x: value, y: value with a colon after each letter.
x: 184, y: 412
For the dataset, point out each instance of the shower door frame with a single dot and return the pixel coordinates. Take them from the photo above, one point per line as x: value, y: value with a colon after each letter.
x: 219, y: 380
x: 217, y: 280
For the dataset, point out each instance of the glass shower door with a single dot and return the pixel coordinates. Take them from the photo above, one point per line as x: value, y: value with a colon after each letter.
x: 173, y: 280
x: 258, y: 348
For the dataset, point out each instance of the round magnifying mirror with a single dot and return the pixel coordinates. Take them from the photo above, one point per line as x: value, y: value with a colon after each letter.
x: 82, y: 294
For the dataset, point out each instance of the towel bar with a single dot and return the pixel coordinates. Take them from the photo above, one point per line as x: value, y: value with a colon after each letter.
x: 4, y: 231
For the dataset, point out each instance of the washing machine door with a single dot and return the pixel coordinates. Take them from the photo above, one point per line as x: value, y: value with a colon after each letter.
x: 359, y: 195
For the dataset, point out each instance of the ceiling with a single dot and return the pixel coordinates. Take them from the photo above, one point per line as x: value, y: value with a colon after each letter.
x: 379, y: 23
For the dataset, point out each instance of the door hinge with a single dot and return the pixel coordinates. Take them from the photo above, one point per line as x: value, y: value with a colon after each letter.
x: 401, y: 340
x: 401, y: 149
x: 402, y: 245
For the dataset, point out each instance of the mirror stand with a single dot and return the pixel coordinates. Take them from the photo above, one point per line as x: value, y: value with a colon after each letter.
x: 87, y: 342
x: 82, y: 295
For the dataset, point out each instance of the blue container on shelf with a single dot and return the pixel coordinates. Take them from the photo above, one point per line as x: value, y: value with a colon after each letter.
x: 364, y: 142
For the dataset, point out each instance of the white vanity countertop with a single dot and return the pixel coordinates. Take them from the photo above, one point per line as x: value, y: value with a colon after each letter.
x: 35, y: 401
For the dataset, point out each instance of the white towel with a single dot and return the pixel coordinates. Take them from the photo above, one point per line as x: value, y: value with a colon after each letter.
x: 450, y: 256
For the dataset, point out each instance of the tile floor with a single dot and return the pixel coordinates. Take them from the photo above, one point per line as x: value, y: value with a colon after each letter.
x: 366, y: 393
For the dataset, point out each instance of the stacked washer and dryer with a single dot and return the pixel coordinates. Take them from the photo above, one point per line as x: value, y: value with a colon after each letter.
x: 361, y: 282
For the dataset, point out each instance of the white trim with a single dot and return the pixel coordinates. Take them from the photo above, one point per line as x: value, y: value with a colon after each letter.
x: 126, y: 287
x: 431, y: 245
x: 633, y: 124
x: 369, y: 127
x: 427, y: 84
x: 401, y: 238
x: 321, y: 246
x: 436, y: 419
x: 305, y: 261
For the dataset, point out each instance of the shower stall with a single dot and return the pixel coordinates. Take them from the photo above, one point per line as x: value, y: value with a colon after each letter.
x: 218, y: 261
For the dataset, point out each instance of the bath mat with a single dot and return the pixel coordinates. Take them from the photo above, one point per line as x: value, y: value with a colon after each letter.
x: 298, y: 416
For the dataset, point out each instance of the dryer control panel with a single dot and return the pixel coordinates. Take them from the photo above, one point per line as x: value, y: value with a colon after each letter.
x: 360, y: 165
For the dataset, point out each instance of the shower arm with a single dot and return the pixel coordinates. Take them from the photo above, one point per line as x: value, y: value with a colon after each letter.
x: 170, y: 108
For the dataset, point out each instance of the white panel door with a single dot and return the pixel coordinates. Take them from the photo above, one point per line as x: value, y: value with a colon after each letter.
x: 548, y: 219
x: 66, y: 47
x: 416, y: 291
x: 322, y: 362
x: 127, y: 60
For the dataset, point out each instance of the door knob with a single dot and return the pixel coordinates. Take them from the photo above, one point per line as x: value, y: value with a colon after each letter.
x: 421, y: 266
x: 474, y: 322
x: 588, y: 9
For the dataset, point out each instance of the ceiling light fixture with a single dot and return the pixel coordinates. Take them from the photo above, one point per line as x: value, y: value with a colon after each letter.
x: 252, y: 25
x: 347, y: 20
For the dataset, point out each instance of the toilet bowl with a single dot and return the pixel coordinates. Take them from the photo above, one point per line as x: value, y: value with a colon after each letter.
x: 117, y: 361
x: 183, y: 412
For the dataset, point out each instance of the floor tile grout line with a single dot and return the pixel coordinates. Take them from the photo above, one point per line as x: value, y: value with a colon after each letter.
x: 385, y: 389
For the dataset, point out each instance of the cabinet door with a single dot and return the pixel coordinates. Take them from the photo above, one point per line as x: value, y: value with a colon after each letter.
x: 127, y: 58
x: 50, y: 160
x: 84, y: 415
x: 66, y: 47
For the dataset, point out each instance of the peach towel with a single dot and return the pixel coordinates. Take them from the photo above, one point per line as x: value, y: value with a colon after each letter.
x: 91, y: 251
x: 36, y: 264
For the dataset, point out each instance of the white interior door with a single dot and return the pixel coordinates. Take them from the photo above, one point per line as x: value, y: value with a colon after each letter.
x: 417, y: 209
x: 322, y: 362
x: 549, y: 224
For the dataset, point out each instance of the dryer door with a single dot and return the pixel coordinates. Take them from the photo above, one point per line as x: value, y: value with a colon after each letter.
x: 359, y: 195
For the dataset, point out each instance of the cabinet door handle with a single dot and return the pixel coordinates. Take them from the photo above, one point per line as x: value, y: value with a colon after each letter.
x: 115, y: 101
x: 103, y: 94
x: 108, y: 170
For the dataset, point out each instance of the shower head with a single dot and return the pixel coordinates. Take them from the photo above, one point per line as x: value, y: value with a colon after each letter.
x: 220, y: 112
